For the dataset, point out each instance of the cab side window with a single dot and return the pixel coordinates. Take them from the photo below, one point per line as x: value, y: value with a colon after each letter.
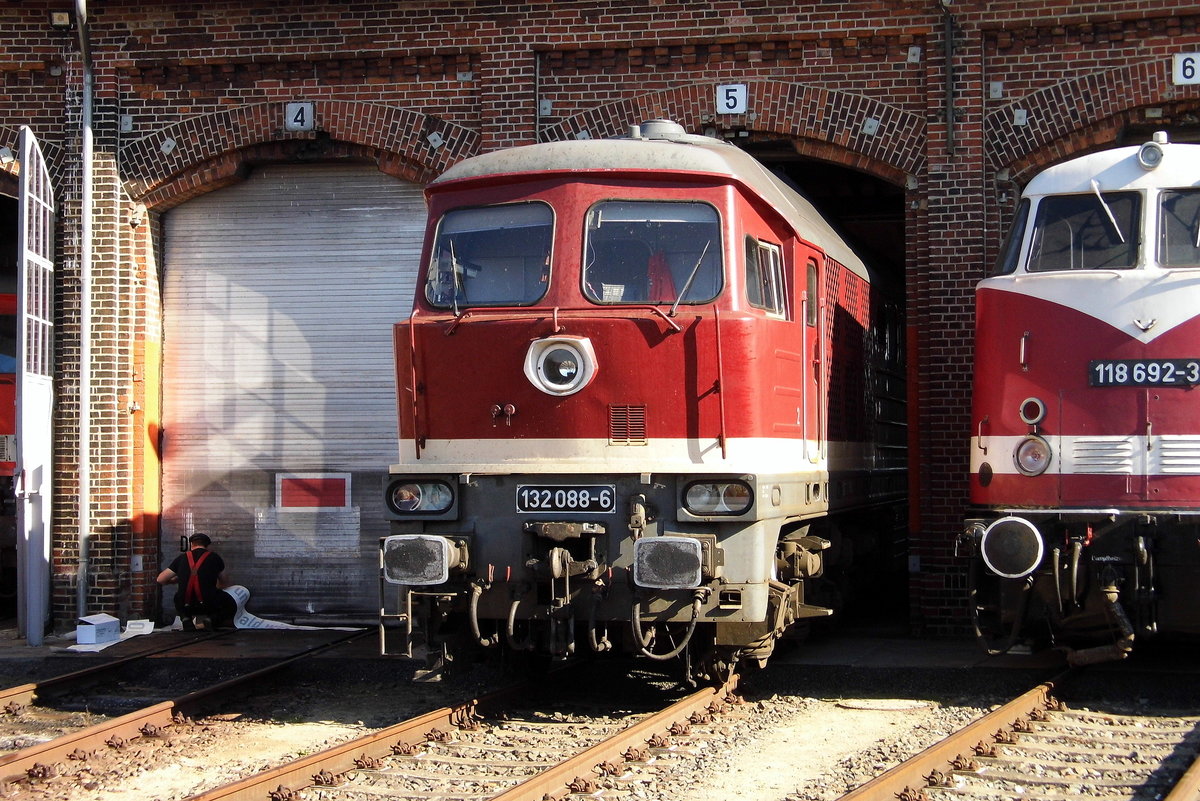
x: 812, y: 288
x: 764, y: 276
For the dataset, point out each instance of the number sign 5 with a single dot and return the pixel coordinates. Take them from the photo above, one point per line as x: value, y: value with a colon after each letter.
x: 732, y: 98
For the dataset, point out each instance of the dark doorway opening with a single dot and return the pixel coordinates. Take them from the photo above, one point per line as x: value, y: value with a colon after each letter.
x: 870, y: 214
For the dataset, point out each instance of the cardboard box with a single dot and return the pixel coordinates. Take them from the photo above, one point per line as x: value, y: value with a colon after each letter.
x: 97, y: 629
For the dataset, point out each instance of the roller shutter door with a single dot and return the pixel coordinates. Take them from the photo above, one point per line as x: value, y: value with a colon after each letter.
x: 279, y: 413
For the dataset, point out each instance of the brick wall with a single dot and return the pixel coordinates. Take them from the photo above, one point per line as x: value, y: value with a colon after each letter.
x: 189, y: 94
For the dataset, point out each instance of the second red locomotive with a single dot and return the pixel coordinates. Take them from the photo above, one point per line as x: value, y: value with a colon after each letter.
x: 647, y: 399
x: 1085, y: 454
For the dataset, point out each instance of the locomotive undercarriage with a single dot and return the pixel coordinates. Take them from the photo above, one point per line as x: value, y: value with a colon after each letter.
x: 1097, y: 584
x: 560, y: 587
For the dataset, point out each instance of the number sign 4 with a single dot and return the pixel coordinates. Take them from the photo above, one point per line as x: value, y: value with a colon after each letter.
x: 298, y: 116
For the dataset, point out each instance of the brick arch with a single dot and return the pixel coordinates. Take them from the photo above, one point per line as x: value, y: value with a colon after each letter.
x: 827, y: 124
x: 205, y: 152
x: 1102, y: 134
x: 1076, y: 116
x: 52, y: 152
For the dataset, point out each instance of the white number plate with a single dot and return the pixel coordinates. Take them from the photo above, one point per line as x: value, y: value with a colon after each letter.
x: 1186, y: 68
x: 542, y: 498
x: 1144, y: 373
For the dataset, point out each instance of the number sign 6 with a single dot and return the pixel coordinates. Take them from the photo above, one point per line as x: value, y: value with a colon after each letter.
x: 1187, y: 68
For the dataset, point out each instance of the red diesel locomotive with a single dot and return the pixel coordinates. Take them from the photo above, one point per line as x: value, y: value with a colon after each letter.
x: 647, y: 399
x: 1085, y: 454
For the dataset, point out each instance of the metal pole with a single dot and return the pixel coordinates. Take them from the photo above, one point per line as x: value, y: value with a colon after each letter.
x: 85, y: 317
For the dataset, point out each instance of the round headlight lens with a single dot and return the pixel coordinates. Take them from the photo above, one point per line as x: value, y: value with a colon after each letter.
x: 1033, y: 456
x: 438, y: 497
x: 560, y: 366
x: 1150, y: 155
x: 717, y: 498
x: 406, y: 497
x: 427, y: 497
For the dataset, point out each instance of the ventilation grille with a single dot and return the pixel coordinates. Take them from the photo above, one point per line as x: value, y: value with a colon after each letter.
x: 626, y: 425
x: 1103, y: 456
x: 1180, y: 455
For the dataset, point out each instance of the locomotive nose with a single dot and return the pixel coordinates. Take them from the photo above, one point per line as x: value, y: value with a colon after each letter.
x: 1012, y: 547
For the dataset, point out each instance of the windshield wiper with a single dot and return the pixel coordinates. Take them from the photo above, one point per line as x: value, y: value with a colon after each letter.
x: 455, y: 277
x: 1107, y: 210
x: 691, y: 277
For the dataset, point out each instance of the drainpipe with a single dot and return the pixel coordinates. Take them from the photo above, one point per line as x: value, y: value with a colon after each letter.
x: 948, y: 44
x: 85, y: 316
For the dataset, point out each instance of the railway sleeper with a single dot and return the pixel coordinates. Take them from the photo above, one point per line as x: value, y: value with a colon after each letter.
x: 1020, y: 776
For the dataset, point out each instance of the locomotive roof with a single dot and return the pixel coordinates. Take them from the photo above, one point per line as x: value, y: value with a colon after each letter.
x: 1118, y: 168
x: 660, y: 146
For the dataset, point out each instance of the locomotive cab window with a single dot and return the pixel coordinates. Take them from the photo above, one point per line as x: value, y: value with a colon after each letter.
x: 491, y: 256
x: 652, y: 252
x: 812, y: 294
x: 1010, y: 251
x: 1095, y: 231
x: 1179, y: 228
x: 764, y: 276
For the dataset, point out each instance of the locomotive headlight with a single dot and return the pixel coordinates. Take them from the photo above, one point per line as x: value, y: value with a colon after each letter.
x: 560, y: 365
x: 717, y: 498
x: 1032, y: 456
x: 419, y: 497
x: 416, y: 559
x: 668, y: 563
x: 1150, y: 155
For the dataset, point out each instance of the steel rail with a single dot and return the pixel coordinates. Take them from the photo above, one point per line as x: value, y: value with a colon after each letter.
x: 29, y: 693
x: 285, y: 780
x: 550, y: 782
x: 15, y: 766
x: 907, y: 778
x: 1188, y: 786
x: 294, y: 776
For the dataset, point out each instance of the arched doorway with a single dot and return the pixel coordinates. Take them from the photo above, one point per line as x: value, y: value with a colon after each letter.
x: 279, y: 295
x: 871, y: 215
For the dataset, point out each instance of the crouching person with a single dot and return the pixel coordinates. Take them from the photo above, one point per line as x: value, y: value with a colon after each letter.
x: 200, y: 601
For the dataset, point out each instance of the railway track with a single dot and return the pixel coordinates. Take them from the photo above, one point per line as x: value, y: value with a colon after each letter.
x: 494, y: 748
x: 1035, y: 746
x: 78, y: 754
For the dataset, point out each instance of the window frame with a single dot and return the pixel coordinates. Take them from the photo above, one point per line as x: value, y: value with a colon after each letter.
x: 1161, y: 245
x: 812, y: 289
x: 431, y: 264
x: 715, y: 251
x: 1040, y: 226
x: 767, y: 275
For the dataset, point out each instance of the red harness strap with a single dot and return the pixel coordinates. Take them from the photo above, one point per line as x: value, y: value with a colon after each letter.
x: 191, y: 594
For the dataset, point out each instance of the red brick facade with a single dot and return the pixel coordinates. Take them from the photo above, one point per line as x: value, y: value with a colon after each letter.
x: 189, y: 94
